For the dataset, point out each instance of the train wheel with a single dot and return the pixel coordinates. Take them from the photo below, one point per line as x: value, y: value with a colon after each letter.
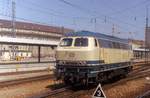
x: 67, y: 81
x: 85, y: 82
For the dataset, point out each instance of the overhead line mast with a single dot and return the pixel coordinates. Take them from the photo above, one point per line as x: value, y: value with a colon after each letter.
x: 13, y: 18
x: 113, y: 30
x: 146, y: 28
x: 146, y: 36
x: 13, y: 28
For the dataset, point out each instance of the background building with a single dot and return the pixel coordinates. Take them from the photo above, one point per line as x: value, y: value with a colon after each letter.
x: 139, y: 50
x: 28, y: 31
x: 136, y: 44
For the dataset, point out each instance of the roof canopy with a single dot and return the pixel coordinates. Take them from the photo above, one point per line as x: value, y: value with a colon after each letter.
x: 25, y: 41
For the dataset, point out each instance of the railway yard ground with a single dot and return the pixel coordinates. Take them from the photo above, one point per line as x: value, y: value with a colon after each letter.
x: 134, y: 85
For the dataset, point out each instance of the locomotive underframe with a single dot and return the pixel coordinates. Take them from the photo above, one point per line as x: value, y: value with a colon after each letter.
x: 73, y: 74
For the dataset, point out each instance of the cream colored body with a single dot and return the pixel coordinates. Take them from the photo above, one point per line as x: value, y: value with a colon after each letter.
x: 92, y: 53
x: 115, y: 55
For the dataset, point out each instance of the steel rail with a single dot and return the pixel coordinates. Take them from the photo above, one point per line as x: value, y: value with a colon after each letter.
x: 50, y: 92
x: 145, y: 95
x: 25, y: 80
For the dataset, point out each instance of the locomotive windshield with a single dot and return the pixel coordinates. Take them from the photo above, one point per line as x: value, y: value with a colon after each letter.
x: 81, y: 42
x: 66, y: 42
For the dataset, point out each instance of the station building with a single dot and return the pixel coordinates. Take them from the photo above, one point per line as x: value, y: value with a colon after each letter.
x: 139, y: 50
x: 29, y: 31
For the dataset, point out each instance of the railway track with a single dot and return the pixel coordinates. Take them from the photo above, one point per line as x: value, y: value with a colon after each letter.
x: 138, y: 73
x: 82, y: 92
x: 48, y: 93
x: 25, y: 80
x: 65, y: 92
x: 145, y: 95
x: 134, y: 76
x: 140, y: 68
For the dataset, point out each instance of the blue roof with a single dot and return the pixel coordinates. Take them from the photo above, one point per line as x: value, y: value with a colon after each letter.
x: 96, y: 35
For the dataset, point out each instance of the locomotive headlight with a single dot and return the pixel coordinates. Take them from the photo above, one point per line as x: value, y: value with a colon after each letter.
x: 82, y: 62
x: 61, y: 70
x: 61, y: 62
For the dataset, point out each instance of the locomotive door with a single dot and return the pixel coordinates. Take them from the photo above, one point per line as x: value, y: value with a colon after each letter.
x: 96, y: 50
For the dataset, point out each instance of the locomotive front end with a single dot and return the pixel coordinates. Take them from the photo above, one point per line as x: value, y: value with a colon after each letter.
x: 75, y: 56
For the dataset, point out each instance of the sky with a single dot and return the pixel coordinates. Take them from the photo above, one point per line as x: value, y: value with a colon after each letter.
x: 127, y: 17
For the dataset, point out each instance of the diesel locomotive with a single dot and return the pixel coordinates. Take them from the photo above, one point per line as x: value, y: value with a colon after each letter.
x: 88, y: 57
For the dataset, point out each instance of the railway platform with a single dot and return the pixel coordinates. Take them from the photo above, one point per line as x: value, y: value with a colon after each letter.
x: 21, y: 77
x: 16, y: 76
x: 12, y: 68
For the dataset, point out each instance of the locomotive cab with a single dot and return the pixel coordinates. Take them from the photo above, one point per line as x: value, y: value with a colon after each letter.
x: 78, y: 51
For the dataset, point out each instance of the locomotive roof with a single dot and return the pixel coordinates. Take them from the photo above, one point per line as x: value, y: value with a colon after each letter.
x: 96, y: 35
